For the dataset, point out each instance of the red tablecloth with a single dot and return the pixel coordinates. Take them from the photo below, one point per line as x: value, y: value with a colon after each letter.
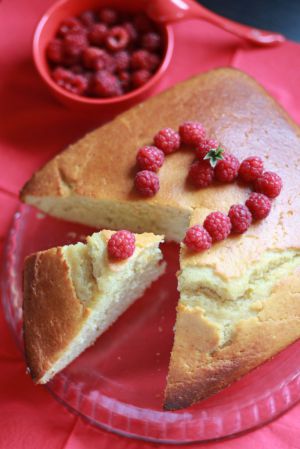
x: 33, y: 128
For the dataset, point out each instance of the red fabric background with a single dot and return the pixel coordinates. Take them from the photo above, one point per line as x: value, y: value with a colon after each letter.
x: 33, y: 128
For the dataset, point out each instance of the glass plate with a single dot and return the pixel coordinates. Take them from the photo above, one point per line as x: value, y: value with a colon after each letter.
x: 118, y: 383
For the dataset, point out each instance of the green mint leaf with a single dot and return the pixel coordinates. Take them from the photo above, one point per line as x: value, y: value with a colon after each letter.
x: 214, y: 156
x: 213, y: 162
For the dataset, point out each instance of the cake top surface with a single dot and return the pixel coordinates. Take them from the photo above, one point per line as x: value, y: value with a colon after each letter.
x: 238, y: 113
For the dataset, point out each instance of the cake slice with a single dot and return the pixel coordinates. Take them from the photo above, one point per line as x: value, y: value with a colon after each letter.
x: 72, y: 294
x: 240, y: 300
x: 231, y: 316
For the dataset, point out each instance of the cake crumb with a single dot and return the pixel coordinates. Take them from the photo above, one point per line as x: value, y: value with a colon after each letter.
x: 257, y: 306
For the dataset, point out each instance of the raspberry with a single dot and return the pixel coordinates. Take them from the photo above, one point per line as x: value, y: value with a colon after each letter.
x: 96, y: 59
x: 240, y: 218
x: 54, y: 51
x: 92, y: 58
x: 69, y: 24
x: 122, y: 60
x: 150, y: 158
x: 117, y: 39
x: 205, y: 146
x: 141, y: 59
x: 110, y: 63
x: 108, y: 16
x: 218, y: 226
x: 259, y: 205
x: 76, y: 84
x: 97, y: 34
x: 251, y: 168
x: 74, y: 44
x: 131, y: 30
x: 201, y: 174
x: 60, y: 72
x: 191, y: 133
x: 87, y: 18
x: 197, y: 238
x: 121, y: 245
x: 105, y: 84
x: 142, y: 23
x: 124, y: 78
x: 154, y: 61
x: 167, y: 140
x: 88, y: 76
x: 227, y: 169
x: 151, y: 41
x: 125, y: 16
x: 140, y: 77
x: 269, y: 183
x: 77, y: 69
x: 146, y: 183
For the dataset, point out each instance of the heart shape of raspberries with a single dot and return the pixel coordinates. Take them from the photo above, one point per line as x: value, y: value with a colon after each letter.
x: 212, y: 163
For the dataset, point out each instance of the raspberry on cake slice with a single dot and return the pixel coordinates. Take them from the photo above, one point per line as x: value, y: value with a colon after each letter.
x: 167, y: 140
x: 146, y: 183
x: 84, y: 288
x: 251, y: 168
x: 268, y: 183
x: 204, y: 147
x: 192, y: 133
x: 240, y: 218
x: 150, y: 158
x: 218, y: 226
x: 227, y: 169
x: 259, y: 205
x: 201, y: 174
x: 197, y: 238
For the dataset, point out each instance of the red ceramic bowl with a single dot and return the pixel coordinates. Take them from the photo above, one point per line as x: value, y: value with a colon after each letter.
x: 47, y: 28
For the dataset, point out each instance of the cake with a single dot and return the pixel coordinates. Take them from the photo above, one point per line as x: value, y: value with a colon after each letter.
x: 73, y: 293
x: 239, y: 301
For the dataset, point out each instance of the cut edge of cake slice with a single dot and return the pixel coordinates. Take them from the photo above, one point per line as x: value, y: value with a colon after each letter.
x: 226, y: 328
x: 72, y: 294
x: 161, y: 219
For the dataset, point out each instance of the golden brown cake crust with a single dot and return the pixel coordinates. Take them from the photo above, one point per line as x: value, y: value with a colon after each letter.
x: 52, y: 313
x: 209, y: 369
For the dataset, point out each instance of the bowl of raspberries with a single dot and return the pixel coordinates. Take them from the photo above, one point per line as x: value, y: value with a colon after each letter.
x: 101, y: 54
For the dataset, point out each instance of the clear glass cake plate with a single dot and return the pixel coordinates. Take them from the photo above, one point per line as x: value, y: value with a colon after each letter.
x: 118, y: 383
